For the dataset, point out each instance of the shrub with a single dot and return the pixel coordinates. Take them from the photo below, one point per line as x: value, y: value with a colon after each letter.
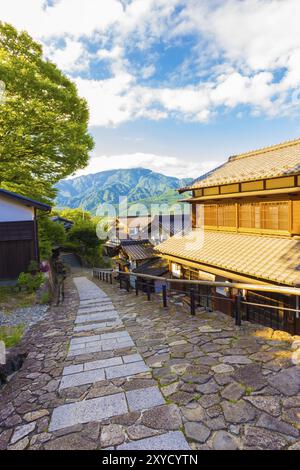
x: 33, y: 267
x: 30, y: 282
x: 45, y: 298
x: 51, y: 234
x: 11, y: 335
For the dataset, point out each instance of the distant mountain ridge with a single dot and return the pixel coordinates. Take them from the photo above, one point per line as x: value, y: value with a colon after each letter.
x: 138, y: 184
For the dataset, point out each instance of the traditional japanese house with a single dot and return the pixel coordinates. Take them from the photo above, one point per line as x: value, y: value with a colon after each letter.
x: 18, y: 233
x: 131, y: 254
x: 127, y: 227
x: 164, y: 226
x: 137, y: 257
x: 245, y: 227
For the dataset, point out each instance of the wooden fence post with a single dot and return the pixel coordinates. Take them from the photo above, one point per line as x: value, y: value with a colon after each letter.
x: 238, y: 309
x: 136, y: 286
x: 164, y: 294
x: 192, y: 298
x: 148, y: 286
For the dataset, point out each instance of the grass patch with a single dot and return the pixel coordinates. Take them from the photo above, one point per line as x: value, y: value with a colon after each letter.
x: 11, y: 298
x: 11, y: 335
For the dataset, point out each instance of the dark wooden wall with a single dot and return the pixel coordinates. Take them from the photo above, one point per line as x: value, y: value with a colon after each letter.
x: 17, y: 248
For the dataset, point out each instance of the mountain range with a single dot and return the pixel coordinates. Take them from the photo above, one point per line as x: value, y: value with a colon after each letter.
x: 138, y: 184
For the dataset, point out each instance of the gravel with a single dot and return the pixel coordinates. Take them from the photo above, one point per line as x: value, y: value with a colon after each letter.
x: 26, y: 316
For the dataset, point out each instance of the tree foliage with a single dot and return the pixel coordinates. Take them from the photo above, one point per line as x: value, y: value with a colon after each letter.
x: 43, y: 122
x: 77, y: 216
x: 82, y: 237
x: 51, y: 234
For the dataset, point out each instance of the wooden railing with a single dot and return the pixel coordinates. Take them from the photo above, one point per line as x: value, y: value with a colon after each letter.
x: 143, y: 282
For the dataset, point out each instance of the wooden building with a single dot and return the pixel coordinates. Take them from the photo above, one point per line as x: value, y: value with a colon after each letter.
x: 246, y: 227
x: 131, y: 254
x: 129, y: 227
x: 18, y: 233
x: 164, y: 226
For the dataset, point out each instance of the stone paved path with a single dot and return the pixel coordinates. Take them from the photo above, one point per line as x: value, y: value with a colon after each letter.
x: 86, y: 365
x: 111, y: 370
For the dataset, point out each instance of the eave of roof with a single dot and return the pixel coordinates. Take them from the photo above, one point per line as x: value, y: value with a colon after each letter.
x: 275, y: 259
x: 26, y: 201
x: 257, y: 170
x: 268, y: 192
x: 138, y: 249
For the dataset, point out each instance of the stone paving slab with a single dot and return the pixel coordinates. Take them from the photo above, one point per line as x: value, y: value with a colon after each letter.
x: 98, y: 346
x: 91, y: 302
x: 144, y: 398
x: 110, y: 345
x: 103, y: 363
x: 95, y: 309
x: 82, y: 378
x: 132, y: 358
x: 103, y: 325
x: 173, y: 440
x: 73, y: 369
x: 96, y: 371
x: 96, y: 409
x: 117, y: 335
x: 126, y: 370
x: 92, y: 317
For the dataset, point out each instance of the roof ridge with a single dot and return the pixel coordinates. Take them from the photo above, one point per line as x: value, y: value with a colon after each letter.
x: 270, y: 148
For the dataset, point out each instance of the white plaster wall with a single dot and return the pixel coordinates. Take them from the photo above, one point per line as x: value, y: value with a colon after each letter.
x: 13, y: 211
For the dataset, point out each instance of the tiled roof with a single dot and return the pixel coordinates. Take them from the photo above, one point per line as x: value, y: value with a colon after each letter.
x: 138, y: 249
x: 269, y: 162
x: 169, y: 224
x: 275, y: 259
x: 154, y: 267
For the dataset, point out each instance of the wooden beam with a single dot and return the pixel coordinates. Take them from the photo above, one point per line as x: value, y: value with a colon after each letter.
x: 268, y: 192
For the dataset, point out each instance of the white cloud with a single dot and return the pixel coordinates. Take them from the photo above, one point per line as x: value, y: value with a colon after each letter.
x: 72, y: 58
x: 72, y: 17
x: 171, y: 166
x: 148, y: 71
x: 247, y: 53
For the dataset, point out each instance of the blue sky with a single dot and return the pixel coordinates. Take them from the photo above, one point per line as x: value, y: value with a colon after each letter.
x: 174, y: 85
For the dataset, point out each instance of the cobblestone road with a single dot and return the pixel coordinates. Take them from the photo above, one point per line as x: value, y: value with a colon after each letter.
x: 112, y: 370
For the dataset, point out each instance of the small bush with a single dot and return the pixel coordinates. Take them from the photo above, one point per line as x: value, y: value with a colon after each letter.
x: 30, y: 282
x: 45, y: 298
x: 11, y: 335
x: 33, y: 267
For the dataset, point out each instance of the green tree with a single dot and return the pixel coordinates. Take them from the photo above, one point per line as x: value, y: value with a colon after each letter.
x: 83, y: 239
x: 84, y: 234
x: 43, y: 122
x: 77, y: 216
x: 51, y: 234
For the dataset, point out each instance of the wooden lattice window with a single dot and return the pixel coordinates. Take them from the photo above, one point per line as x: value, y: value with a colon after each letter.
x: 249, y: 216
x: 275, y: 215
x: 226, y: 215
x: 264, y: 215
x: 210, y: 215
